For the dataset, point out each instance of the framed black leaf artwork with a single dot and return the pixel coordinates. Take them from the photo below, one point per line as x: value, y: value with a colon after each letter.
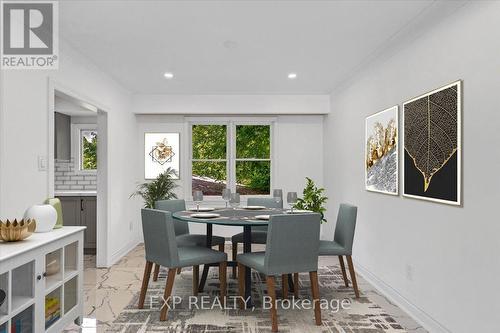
x: 432, y: 145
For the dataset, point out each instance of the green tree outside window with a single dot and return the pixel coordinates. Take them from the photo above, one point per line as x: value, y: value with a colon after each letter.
x: 253, y: 163
x: 89, y: 150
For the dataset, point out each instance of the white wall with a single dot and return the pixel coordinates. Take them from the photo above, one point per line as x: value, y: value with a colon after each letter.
x: 440, y: 262
x: 24, y: 136
x: 231, y: 104
x: 298, y: 153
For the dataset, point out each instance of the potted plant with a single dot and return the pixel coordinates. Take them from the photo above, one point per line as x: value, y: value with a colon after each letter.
x: 313, y: 199
x: 161, y: 188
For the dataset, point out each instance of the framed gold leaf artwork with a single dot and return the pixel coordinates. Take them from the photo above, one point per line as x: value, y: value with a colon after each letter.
x: 432, y: 145
x: 161, y: 151
x: 381, y: 153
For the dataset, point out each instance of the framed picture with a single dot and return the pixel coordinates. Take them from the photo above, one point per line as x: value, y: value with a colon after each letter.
x: 432, y: 145
x: 381, y: 153
x: 161, y: 151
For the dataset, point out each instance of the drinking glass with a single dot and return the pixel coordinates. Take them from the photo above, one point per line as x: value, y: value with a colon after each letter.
x: 226, y: 195
x: 198, y: 198
x: 278, y: 195
x: 291, y: 198
x: 234, y: 201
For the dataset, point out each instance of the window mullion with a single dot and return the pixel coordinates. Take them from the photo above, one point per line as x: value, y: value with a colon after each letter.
x: 231, y: 157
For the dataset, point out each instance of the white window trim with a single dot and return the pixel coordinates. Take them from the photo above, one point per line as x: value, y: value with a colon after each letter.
x: 76, y: 149
x: 231, y: 123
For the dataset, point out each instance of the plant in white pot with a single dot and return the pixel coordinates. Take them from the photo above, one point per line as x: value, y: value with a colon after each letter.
x: 313, y: 199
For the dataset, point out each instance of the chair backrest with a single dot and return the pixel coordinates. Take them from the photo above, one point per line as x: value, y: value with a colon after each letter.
x: 292, y: 243
x: 159, y: 237
x: 346, y: 224
x: 266, y: 202
x: 56, y: 203
x: 173, y: 206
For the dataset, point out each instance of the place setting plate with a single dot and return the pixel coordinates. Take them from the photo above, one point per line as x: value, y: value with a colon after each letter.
x: 205, y: 215
x: 298, y: 211
x: 201, y: 209
x: 254, y: 207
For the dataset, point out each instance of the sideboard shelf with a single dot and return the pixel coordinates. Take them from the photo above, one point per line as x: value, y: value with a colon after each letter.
x: 42, y: 277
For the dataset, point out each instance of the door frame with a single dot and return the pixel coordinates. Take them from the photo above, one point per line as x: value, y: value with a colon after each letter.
x: 102, y: 156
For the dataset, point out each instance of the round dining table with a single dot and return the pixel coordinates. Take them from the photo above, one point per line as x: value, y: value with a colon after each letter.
x: 246, y: 218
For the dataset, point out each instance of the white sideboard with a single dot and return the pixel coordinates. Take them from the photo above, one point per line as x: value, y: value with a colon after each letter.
x: 43, y: 279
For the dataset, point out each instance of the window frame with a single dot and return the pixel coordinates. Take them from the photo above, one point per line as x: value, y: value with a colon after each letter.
x: 76, y: 146
x: 231, y: 123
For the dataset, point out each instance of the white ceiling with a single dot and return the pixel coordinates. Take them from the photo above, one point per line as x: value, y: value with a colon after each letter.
x: 240, y: 47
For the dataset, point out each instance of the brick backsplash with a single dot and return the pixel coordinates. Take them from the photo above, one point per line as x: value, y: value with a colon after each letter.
x: 65, y: 177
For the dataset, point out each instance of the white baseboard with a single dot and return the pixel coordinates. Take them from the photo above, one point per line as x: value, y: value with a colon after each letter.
x: 420, y: 316
x: 115, y: 257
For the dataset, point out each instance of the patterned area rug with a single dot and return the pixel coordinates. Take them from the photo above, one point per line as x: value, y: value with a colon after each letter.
x: 355, y: 316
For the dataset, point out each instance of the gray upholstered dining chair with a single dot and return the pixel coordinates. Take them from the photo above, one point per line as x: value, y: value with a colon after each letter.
x: 291, y: 247
x: 259, y: 233
x: 183, y: 237
x: 162, y: 249
x: 342, y: 242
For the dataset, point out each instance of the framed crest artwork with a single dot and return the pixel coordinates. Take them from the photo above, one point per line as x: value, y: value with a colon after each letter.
x: 381, y: 153
x: 432, y: 145
x: 161, y: 151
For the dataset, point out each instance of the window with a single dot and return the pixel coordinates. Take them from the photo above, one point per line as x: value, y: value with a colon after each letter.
x: 84, y: 147
x: 88, y: 149
x: 233, y: 155
x: 209, y: 158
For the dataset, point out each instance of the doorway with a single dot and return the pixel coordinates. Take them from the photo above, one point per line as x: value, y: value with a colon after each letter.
x: 77, y: 172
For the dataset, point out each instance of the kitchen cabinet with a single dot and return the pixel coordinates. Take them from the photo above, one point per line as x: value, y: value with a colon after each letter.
x: 62, y: 136
x: 82, y: 211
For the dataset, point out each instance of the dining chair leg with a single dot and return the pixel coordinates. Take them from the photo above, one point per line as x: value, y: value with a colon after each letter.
x: 156, y: 272
x: 296, y: 285
x: 222, y: 248
x: 145, y: 282
x: 196, y: 279
x: 241, y: 285
x: 284, y: 285
x: 223, y: 282
x: 315, y: 293
x: 168, y: 293
x: 353, y: 276
x: 235, y: 251
x: 179, y: 270
x: 344, y: 273
x: 272, y: 293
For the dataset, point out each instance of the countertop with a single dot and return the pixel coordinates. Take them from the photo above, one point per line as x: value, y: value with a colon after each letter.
x: 73, y: 193
x: 12, y: 249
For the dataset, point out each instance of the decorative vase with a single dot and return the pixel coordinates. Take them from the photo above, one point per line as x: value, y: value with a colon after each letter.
x: 44, y: 215
x: 16, y: 230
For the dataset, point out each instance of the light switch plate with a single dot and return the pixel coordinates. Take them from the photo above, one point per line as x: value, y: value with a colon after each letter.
x: 42, y: 163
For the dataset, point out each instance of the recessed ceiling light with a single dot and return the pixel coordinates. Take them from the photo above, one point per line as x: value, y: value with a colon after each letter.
x: 292, y: 76
x: 168, y: 75
x: 230, y: 44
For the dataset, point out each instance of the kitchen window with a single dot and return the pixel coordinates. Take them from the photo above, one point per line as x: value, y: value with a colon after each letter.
x: 85, y: 147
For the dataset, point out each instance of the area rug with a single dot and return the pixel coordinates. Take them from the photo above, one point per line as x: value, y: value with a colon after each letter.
x: 341, y: 311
